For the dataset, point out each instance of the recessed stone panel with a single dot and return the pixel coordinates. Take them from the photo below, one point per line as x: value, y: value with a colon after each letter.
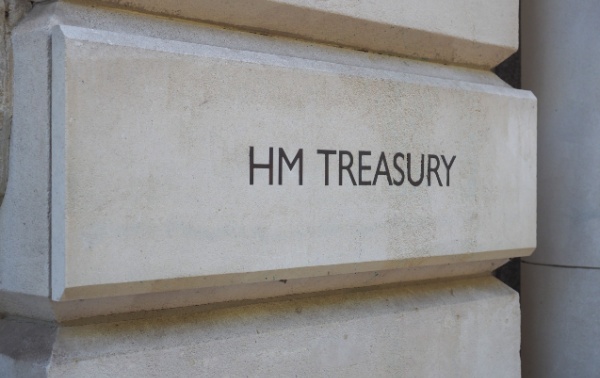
x: 179, y: 165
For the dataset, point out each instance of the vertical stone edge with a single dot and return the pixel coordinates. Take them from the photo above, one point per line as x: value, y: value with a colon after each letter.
x: 24, y: 213
x: 4, y: 98
x: 57, y: 164
x: 11, y: 12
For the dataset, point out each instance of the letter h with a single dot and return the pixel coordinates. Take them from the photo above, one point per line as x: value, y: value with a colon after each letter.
x: 254, y: 166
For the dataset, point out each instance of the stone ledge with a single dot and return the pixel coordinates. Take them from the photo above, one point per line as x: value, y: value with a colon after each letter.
x: 451, y: 328
x: 431, y: 30
x: 150, y: 296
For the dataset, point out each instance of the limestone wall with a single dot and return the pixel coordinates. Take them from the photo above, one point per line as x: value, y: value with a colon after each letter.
x: 266, y: 187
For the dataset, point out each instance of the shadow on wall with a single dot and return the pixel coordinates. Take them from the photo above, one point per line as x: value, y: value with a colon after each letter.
x: 510, y: 72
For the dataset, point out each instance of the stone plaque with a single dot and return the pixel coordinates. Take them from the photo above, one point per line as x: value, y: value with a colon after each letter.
x: 184, y: 165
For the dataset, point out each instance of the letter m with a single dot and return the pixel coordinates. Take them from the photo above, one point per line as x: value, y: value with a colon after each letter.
x: 297, y: 159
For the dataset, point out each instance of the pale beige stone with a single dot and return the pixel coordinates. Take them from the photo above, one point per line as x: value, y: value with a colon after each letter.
x: 464, y: 328
x: 24, y: 221
x: 473, y: 32
x: 24, y: 212
x: 455, y: 328
x: 180, y: 293
x: 150, y: 178
x: 148, y: 118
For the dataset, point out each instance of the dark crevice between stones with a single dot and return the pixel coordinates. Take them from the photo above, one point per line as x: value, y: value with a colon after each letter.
x: 510, y: 274
x: 510, y: 72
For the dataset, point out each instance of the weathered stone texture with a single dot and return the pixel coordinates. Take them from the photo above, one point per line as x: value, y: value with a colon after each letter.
x: 10, y: 12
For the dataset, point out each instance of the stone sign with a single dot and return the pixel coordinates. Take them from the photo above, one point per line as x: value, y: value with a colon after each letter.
x: 205, y: 165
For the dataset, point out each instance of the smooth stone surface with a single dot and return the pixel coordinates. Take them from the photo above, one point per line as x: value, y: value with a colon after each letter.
x: 5, y: 94
x: 569, y: 92
x: 12, y: 11
x: 472, y: 32
x: 560, y: 321
x: 24, y: 213
x: 178, y: 293
x: 462, y: 328
x: 150, y: 179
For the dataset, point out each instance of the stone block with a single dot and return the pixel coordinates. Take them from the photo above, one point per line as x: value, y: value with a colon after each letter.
x: 180, y: 165
x: 12, y: 11
x: 24, y: 213
x: 469, y: 32
x: 149, y: 146
x: 456, y: 328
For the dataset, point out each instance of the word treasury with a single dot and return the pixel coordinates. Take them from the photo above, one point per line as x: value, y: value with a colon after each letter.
x: 341, y: 167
